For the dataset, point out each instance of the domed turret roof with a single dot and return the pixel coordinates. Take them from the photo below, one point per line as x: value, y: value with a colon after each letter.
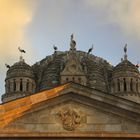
x: 20, y: 69
x: 126, y: 65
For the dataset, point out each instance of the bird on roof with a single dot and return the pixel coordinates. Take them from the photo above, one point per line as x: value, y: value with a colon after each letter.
x: 125, y: 48
x: 55, y: 47
x: 21, y: 50
x: 90, y: 49
x: 7, y: 66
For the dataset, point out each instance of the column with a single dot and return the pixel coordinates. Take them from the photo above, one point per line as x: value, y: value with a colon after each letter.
x: 24, y: 82
x: 138, y: 86
x: 30, y: 86
x: 7, y: 87
x: 115, y: 86
x: 121, y: 85
x: 17, y: 85
x: 134, y: 85
x: 34, y: 86
x: 11, y: 86
x: 127, y: 84
x: 112, y: 87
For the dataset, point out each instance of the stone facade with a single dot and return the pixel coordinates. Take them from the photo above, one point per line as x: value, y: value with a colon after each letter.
x: 72, y: 92
x: 71, y: 109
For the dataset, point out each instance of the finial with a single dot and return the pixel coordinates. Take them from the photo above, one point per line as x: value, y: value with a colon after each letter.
x: 21, y: 51
x: 21, y: 59
x: 72, y: 43
x: 125, y: 51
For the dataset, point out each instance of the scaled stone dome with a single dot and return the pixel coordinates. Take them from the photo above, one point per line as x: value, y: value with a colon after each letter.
x: 20, y: 69
x: 47, y: 71
x: 127, y: 68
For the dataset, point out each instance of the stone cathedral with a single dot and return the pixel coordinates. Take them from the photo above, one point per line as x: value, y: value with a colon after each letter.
x: 71, y: 94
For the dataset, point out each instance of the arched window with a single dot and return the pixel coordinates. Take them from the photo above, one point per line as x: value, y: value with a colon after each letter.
x: 118, y: 83
x: 27, y: 85
x: 131, y: 85
x: 73, y: 79
x: 67, y: 79
x: 21, y: 86
x: 14, y: 85
x: 124, y: 84
x: 79, y: 80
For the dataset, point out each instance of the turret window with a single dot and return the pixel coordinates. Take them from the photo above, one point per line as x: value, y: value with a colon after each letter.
x: 27, y: 85
x: 14, y: 85
x: 79, y: 80
x: 118, y: 83
x: 124, y: 82
x: 131, y: 85
x: 73, y: 79
x: 67, y: 79
x: 21, y: 86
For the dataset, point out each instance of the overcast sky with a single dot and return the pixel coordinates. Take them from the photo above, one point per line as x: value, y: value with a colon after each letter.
x: 36, y: 25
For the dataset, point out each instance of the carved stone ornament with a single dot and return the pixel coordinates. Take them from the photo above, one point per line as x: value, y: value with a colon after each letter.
x: 70, y: 119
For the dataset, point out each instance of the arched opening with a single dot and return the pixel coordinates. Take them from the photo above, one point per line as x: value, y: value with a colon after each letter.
x: 131, y: 84
x: 79, y: 80
x: 124, y: 84
x: 27, y: 85
x: 14, y: 85
x: 73, y: 79
x: 21, y: 86
x: 118, y: 83
x: 67, y: 79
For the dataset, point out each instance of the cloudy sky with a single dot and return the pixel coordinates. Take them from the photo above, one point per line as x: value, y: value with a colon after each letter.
x: 36, y: 25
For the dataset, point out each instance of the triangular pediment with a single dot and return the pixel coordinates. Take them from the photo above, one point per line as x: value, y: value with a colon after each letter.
x: 69, y: 93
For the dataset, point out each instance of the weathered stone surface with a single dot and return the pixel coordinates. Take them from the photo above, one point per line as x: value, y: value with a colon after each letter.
x: 95, y: 97
x: 47, y: 119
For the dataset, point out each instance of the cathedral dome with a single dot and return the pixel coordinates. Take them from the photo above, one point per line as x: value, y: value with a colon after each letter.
x: 82, y: 68
x: 20, y: 69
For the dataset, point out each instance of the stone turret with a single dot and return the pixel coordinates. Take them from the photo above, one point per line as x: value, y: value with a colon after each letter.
x: 19, y: 81
x: 125, y: 78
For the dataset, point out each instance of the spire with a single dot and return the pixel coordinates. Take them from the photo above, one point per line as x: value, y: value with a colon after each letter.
x: 125, y: 52
x: 72, y: 43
